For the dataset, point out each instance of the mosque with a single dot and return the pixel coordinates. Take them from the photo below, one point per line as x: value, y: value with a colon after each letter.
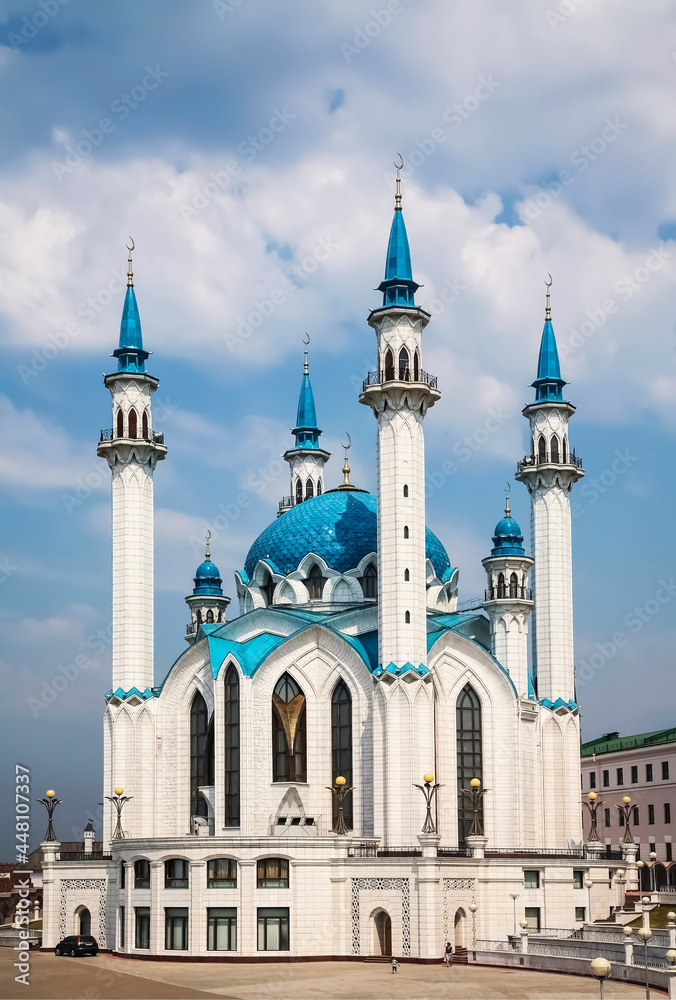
x: 353, y: 765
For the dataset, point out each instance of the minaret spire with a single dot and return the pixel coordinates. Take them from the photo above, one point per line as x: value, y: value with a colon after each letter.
x: 306, y: 459
x: 397, y: 196
x: 548, y: 384
x: 130, y: 354
x: 130, y: 273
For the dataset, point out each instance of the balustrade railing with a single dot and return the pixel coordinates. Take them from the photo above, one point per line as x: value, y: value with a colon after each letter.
x: 530, y: 461
x: 400, y: 375
x: 154, y: 437
x: 508, y: 593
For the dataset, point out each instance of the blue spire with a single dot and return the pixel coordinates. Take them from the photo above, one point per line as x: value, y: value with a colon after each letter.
x: 130, y: 354
x: 548, y: 383
x: 207, y: 578
x: 398, y: 286
x: 507, y: 537
x: 306, y: 430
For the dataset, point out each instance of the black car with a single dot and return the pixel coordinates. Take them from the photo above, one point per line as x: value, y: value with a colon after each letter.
x: 74, y: 945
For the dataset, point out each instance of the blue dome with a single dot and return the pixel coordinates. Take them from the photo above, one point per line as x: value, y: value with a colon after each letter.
x: 507, y: 538
x: 207, y: 570
x: 208, y: 580
x: 340, y: 526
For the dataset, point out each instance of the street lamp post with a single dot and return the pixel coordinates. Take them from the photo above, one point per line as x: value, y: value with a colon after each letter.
x: 119, y: 799
x: 429, y: 790
x: 592, y: 806
x: 339, y: 791
x: 475, y: 794
x: 514, y: 896
x: 588, y: 883
x: 50, y: 802
x: 625, y: 813
x: 601, y: 969
x: 620, y: 875
x: 645, y: 934
x: 472, y: 909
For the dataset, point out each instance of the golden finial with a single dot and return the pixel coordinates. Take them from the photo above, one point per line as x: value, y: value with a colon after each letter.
x: 346, y: 484
x: 548, y: 308
x: 306, y: 370
x: 508, y: 512
x: 207, y: 554
x: 130, y: 273
x: 397, y: 197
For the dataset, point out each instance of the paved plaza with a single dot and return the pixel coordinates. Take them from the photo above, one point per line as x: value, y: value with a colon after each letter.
x: 107, y: 976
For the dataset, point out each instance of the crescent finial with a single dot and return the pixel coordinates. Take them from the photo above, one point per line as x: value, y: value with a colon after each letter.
x: 349, y: 442
x: 306, y: 342
x: 549, y: 283
x: 399, y: 166
x: 133, y: 245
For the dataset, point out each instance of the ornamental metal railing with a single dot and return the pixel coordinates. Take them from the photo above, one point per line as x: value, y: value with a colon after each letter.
x: 373, y: 851
x: 453, y: 852
x: 508, y: 593
x: 191, y: 629
x: 82, y: 856
x: 530, y: 461
x: 153, y: 437
x: 400, y: 375
x: 559, y: 852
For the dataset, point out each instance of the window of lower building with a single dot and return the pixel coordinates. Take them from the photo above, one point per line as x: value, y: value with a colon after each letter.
x: 222, y: 873
x: 606, y: 778
x: 222, y: 928
x: 651, y: 815
x: 592, y: 779
x: 634, y: 774
x: 635, y: 816
x: 620, y: 775
x: 272, y: 873
x: 273, y: 928
x: 142, y: 934
x: 121, y: 941
x: 667, y: 849
x: 648, y: 772
x: 606, y: 817
x: 122, y: 875
x: 667, y: 812
x: 665, y: 770
x: 176, y: 928
x: 578, y: 879
x: 532, y: 917
x: 176, y: 874
x: 620, y: 818
x: 580, y: 914
x: 142, y: 874
x: 531, y: 880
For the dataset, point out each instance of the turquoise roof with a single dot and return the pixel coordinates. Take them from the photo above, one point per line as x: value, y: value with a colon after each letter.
x: 340, y: 526
x: 208, y: 580
x: 507, y: 538
x: 130, y: 354
x: 306, y: 430
x: 548, y: 383
x: 398, y: 286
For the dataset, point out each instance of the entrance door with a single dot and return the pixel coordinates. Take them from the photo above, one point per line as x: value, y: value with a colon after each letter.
x: 384, y: 933
x: 85, y: 922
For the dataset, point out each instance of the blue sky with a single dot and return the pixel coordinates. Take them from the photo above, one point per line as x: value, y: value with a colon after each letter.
x: 247, y: 147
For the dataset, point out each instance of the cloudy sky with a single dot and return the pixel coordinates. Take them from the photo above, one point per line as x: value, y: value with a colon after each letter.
x: 247, y: 147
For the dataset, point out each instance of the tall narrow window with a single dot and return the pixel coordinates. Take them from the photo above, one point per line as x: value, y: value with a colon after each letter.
x: 542, y: 450
x: 501, y: 585
x: 404, y: 373
x: 198, y: 754
x: 405, y: 491
x: 144, y: 425
x: 133, y: 423
x: 315, y: 583
x: 407, y: 576
x: 268, y: 588
x: 469, y: 758
x: 319, y: 487
x: 405, y: 531
x: 210, y: 617
x: 564, y: 449
x: 341, y: 746
x: 299, y: 491
x: 231, y: 722
x: 555, y: 449
x: 369, y: 582
x: 416, y: 367
x: 120, y: 424
x: 309, y: 489
x: 389, y: 366
x: 513, y: 585
x: 407, y: 618
x: 288, y: 731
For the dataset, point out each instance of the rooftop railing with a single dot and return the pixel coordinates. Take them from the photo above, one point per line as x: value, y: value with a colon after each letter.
x: 530, y: 461
x: 400, y: 375
x: 154, y: 437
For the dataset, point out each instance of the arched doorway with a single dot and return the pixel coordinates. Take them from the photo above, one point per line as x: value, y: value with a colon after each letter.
x: 459, y: 926
x: 383, y: 924
x: 84, y: 922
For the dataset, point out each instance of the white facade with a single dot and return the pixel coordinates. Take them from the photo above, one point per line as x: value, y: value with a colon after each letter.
x: 348, y: 659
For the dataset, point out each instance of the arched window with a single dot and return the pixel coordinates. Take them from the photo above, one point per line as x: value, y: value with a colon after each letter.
x: 369, y: 582
x: 231, y: 748
x: 405, y: 531
x: 341, y: 746
x: 198, y: 616
x: 501, y: 585
x: 555, y: 449
x: 309, y: 489
x: 268, y: 588
x: 120, y: 424
x: 468, y: 736
x: 407, y: 618
x: 288, y: 731
x: 564, y: 457
x: 405, y: 491
x: 416, y: 367
x: 319, y: 487
x: 407, y: 576
x: 133, y: 423
x: 299, y: 491
x: 210, y: 617
x: 315, y: 583
x: 404, y: 373
x: 144, y: 425
x: 542, y: 450
x: 513, y: 585
x: 389, y: 365
x: 199, y: 756
x: 142, y: 874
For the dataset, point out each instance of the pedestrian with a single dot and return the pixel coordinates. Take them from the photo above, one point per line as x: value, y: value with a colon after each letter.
x: 395, y: 965
x: 448, y: 954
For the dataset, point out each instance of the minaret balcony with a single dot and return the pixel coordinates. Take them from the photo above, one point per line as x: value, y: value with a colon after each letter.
x: 508, y: 594
x: 153, y: 437
x: 401, y: 375
x: 531, y: 461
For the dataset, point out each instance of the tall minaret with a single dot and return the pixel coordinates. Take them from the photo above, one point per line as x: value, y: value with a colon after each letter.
x: 549, y: 473
x: 306, y: 460
x: 132, y: 450
x: 399, y: 393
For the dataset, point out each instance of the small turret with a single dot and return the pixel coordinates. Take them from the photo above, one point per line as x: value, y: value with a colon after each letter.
x: 207, y: 602
x: 88, y: 837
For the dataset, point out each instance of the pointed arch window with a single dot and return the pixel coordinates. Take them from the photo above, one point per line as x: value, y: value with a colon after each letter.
x: 405, y: 531
x: 341, y: 746
x: 369, y: 582
x: 201, y: 754
x: 299, y: 491
x: 288, y: 731
x: 416, y: 367
x: 210, y: 617
x: 231, y: 747
x: 542, y: 450
x: 268, y: 588
x: 389, y: 365
x: 319, y: 487
x: 133, y: 423
x: 120, y: 424
x: 555, y: 449
x: 315, y: 583
x: 309, y: 489
x: 502, y: 592
x: 404, y: 373
x: 564, y: 448
x: 513, y: 585
x: 144, y: 425
x: 469, y: 753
